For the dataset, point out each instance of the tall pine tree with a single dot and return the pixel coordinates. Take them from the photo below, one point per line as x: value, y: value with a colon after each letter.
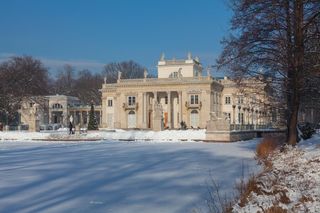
x: 93, y: 124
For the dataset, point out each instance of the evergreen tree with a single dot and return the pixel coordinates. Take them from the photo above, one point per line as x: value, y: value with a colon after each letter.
x: 93, y: 124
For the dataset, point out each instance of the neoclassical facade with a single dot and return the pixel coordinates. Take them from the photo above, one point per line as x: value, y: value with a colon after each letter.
x: 180, y: 93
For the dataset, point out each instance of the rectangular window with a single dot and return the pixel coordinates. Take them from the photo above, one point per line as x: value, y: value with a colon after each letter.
x: 228, y: 100
x: 240, y: 100
x: 166, y: 100
x: 109, y: 103
x: 240, y: 118
x: 194, y: 99
x: 131, y: 100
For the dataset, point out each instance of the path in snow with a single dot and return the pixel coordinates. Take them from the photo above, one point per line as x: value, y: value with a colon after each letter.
x: 115, y: 176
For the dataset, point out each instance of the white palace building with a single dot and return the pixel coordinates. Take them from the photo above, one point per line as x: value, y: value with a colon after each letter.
x: 181, y: 93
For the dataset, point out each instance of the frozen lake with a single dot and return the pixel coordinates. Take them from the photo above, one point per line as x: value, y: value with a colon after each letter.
x: 116, y: 176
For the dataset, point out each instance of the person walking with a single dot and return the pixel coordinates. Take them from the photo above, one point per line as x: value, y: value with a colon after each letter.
x: 70, y: 125
x: 70, y: 128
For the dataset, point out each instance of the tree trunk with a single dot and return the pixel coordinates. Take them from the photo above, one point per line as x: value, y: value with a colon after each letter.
x: 293, y: 120
x: 295, y: 84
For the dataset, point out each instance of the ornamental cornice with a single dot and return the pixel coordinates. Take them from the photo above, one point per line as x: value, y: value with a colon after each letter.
x: 194, y: 91
x: 153, y: 82
x: 131, y: 93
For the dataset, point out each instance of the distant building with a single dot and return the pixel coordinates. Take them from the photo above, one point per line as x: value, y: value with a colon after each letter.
x: 56, y: 109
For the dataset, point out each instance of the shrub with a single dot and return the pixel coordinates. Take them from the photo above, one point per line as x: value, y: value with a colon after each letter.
x: 268, y: 145
x: 245, y: 188
x: 217, y: 203
x: 307, y: 130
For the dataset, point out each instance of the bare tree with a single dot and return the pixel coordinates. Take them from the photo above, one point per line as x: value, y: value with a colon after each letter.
x: 271, y: 38
x: 128, y: 69
x: 87, y: 87
x: 65, y: 81
x: 20, y: 78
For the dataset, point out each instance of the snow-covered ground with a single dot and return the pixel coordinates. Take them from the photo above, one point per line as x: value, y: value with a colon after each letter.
x: 117, y: 134
x: 292, y: 184
x: 116, y: 176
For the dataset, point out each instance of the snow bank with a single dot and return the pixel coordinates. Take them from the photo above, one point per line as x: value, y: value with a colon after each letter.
x: 166, y: 135
x: 23, y: 135
x: 293, y: 182
x: 117, y: 134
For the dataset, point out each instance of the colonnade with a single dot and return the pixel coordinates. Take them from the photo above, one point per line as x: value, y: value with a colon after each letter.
x: 248, y: 116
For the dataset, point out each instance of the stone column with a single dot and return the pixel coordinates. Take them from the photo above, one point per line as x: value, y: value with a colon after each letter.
x: 144, y: 110
x: 155, y: 104
x: 180, y: 106
x: 88, y: 113
x: 147, y: 110
x: 50, y: 117
x: 155, y: 97
x: 252, y: 110
x: 81, y: 120
x: 169, y: 110
x: 103, y: 120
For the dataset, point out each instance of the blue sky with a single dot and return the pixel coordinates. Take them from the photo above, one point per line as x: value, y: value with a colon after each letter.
x: 91, y: 33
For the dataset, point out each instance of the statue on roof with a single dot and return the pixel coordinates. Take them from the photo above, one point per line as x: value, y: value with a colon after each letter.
x: 119, y: 75
x: 162, y: 57
x: 208, y: 72
x: 145, y: 73
x: 189, y: 56
x: 179, y: 73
